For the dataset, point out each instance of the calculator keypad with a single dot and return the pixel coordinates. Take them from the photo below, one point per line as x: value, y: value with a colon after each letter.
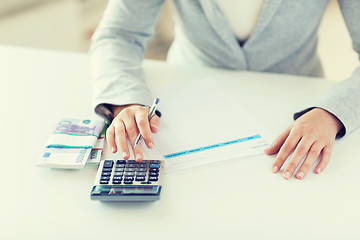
x: 130, y: 172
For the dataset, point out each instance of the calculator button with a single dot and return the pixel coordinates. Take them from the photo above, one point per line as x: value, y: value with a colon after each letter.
x: 128, y: 178
x: 131, y: 165
x: 120, y: 162
x: 141, y: 169
x: 129, y: 169
x: 116, y: 181
x: 129, y: 173
x: 117, y: 178
x: 142, y: 165
x: 106, y: 178
x: 152, y: 165
x: 118, y: 173
x: 154, y: 170
x: 105, y: 173
x: 119, y: 170
x: 155, y: 161
x: 108, y: 164
x: 131, y: 162
x: 128, y: 182
x: 140, y: 173
x: 119, y: 165
x: 140, y: 178
x: 106, y: 169
x: 153, y: 174
x: 153, y: 179
x: 104, y: 181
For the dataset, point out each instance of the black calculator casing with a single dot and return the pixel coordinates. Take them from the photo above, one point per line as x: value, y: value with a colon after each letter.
x: 128, y: 180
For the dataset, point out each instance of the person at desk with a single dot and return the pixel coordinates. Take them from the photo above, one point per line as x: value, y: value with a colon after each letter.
x: 266, y: 36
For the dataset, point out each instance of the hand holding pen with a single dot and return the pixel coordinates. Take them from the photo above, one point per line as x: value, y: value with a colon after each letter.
x: 129, y: 122
x: 151, y: 114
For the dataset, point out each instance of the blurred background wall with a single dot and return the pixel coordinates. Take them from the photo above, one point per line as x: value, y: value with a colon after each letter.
x: 69, y: 24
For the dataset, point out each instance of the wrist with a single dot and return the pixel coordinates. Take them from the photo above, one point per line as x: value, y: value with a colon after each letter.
x: 116, y: 109
x: 333, y: 120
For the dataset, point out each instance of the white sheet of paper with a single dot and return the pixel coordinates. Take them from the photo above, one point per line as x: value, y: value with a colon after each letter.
x: 202, y: 124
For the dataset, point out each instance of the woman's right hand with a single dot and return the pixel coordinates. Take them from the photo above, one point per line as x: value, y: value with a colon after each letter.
x: 129, y: 120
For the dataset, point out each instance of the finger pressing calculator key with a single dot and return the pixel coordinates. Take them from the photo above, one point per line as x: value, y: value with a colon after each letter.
x: 121, y: 180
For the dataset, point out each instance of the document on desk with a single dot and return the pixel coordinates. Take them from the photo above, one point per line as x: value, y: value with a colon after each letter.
x: 202, y: 124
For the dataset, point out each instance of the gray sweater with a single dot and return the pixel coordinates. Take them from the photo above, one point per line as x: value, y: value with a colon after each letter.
x: 284, y: 41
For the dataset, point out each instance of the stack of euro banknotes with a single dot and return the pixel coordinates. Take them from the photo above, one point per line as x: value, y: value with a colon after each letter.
x: 75, y: 143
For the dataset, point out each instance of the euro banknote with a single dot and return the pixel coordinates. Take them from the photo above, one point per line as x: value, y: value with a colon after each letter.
x: 96, y: 153
x: 71, y: 143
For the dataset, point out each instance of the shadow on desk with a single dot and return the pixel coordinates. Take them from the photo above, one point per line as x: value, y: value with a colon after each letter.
x: 128, y: 205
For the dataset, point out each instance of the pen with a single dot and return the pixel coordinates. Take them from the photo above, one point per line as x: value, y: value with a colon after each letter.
x: 151, y: 114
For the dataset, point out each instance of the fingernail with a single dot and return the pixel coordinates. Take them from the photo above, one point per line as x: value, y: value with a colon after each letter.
x: 275, y: 169
x: 155, y: 128
x: 300, y: 175
x: 125, y: 155
x: 318, y: 170
x: 286, y: 175
x: 151, y: 145
x: 138, y: 157
x: 113, y: 149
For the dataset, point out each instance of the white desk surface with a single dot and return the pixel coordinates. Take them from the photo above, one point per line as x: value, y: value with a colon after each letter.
x: 238, y: 199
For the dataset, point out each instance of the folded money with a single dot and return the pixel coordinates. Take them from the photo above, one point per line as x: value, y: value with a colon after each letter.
x: 71, y: 142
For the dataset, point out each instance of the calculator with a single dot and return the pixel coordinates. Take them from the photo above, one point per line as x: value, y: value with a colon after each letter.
x: 128, y: 180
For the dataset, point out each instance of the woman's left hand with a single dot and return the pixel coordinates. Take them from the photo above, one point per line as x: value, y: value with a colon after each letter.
x: 309, y: 136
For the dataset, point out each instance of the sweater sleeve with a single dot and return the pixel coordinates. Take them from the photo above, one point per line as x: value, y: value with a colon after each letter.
x: 117, y: 51
x: 343, y: 100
